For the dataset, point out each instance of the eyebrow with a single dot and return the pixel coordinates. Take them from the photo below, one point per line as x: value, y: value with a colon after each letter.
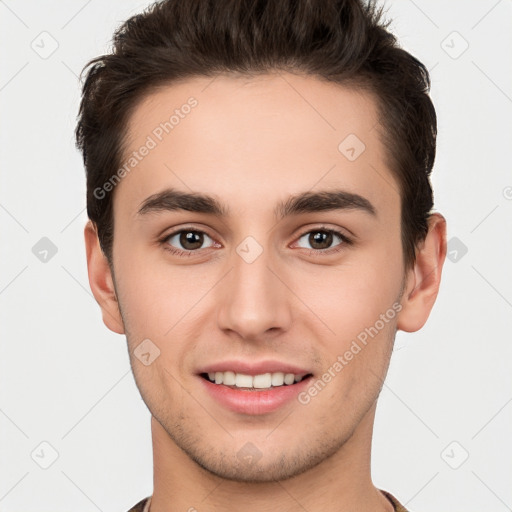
x: 306, y: 202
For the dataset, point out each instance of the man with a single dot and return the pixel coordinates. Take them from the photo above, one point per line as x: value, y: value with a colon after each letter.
x: 260, y: 227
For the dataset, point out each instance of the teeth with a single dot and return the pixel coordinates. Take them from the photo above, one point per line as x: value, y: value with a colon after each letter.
x: 277, y: 379
x: 243, y: 381
x: 289, y: 378
x: 229, y: 378
x: 262, y: 381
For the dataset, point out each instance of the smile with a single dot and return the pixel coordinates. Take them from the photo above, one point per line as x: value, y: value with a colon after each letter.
x: 254, y: 382
x: 254, y: 394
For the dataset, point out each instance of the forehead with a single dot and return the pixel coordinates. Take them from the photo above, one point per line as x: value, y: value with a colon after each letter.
x: 253, y: 140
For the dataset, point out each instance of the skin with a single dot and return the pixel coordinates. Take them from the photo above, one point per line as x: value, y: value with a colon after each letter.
x: 252, y: 143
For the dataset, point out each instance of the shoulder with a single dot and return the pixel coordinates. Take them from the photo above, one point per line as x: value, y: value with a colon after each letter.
x: 141, y: 506
x: 396, y: 504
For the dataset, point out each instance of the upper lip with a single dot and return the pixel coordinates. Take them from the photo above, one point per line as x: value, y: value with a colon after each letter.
x: 253, y: 368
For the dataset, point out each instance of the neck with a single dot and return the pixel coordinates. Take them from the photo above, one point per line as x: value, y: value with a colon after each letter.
x: 340, y: 483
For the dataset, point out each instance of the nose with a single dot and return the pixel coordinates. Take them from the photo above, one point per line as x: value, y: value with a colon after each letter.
x: 254, y: 300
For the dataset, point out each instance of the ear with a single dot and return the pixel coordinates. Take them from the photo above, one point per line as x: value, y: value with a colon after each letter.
x: 100, y: 280
x: 423, y: 280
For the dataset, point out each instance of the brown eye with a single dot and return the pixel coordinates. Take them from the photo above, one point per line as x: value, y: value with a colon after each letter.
x: 187, y: 240
x: 321, y: 240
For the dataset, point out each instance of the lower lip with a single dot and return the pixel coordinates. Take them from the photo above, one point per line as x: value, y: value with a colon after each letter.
x: 254, y: 402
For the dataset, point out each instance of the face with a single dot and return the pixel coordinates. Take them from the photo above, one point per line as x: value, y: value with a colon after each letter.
x: 271, y: 283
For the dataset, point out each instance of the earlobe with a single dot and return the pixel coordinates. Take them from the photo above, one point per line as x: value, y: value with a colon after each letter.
x: 424, y: 279
x: 101, y: 281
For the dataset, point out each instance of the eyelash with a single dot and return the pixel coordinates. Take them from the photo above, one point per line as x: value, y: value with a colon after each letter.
x: 345, y: 240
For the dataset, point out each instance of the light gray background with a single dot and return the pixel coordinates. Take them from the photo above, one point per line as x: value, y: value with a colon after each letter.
x: 66, y: 380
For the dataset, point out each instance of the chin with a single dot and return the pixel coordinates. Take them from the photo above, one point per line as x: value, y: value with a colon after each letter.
x: 255, y: 472
x: 250, y: 465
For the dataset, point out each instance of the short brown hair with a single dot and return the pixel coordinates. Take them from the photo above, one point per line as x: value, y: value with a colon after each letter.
x: 342, y: 41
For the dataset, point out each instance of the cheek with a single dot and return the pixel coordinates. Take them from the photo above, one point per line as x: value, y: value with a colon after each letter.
x: 351, y: 297
x: 155, y: 308
x: 145, y: 297
x: 158, y: 300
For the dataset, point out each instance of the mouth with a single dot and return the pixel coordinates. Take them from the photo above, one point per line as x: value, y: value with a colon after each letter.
x: 254, y: 395
x: 256, y: 383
